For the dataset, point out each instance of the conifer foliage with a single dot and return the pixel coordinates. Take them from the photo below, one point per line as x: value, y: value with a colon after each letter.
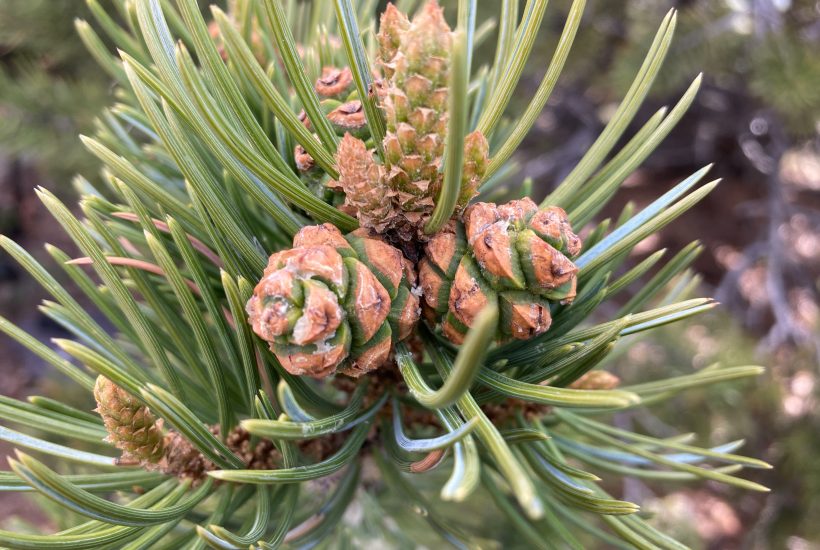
x: 299, y: 280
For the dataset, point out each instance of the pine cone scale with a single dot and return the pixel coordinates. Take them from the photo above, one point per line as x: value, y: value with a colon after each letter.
x: 469, y: 293
x: 368, y: 303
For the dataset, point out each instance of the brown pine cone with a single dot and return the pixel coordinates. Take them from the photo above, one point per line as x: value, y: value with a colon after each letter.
x: 334, y: 83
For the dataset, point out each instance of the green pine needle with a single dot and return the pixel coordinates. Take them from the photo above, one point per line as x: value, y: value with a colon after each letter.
x: 200, y: 186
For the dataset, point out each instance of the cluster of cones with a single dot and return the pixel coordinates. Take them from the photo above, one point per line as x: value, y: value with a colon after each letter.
x: 337, y: 303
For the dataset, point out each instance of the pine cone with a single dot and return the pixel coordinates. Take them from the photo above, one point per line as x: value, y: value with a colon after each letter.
x: 130, y: 425
x: 333, y: 86
x: 334, y: 303
x: 362, y: 180
x: 415, y: 59
x: 512, y: 253
x: 349, y: 118
x: 334, y: 83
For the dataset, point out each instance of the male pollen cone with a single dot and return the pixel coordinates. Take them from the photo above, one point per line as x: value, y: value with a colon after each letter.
x: 131, y: 427
x: 513, y: 254
x: 334, y: 303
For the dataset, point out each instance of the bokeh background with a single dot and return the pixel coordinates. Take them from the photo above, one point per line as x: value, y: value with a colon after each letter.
x: 757, y: 118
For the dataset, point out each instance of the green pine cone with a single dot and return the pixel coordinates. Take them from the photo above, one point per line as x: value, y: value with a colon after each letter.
x: 130, y: 425
x: 334, y: 83
x: 513, y: 254
x: 334, y: 303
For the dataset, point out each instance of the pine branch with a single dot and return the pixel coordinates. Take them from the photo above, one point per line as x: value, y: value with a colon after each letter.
x: 227, y: 261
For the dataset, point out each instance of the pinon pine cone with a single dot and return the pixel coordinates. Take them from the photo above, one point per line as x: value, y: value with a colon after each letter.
x: 415, y: 60
x: 345, y: 114
x: 514, y: 254
x: 334, y: 83
x: 334, y: 303
x: 130, y: 425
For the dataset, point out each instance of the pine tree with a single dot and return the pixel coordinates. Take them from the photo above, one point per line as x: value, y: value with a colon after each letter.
x: 223, y: 169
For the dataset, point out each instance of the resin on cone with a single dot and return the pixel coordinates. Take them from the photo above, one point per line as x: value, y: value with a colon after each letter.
x: 513, y: 254
x: 334, y: 303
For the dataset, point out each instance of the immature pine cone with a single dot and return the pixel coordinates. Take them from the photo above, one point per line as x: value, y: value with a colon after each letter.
x: 334, y: 87
x: 130, y: 425
x: 415, y: 60
x: 334, y: 83
x: 334, y: 303
x: 512, y: 253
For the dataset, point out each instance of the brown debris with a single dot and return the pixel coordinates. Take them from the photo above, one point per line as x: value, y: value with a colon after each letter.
x: 262, y: 456
x: 318, y: 449
x: 182, y: 459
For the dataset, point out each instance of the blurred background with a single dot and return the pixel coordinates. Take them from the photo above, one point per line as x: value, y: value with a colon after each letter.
x: 757, y: 118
